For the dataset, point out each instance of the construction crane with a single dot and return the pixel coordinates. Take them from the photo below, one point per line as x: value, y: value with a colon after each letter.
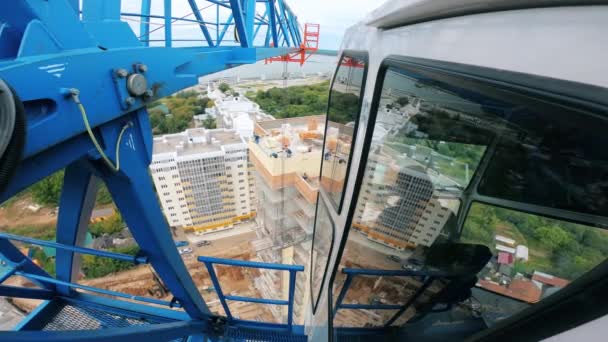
x: 75, y: 82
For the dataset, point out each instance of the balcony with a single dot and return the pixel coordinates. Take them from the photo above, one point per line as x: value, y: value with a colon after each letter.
x: 304, y: 221
x: 308, y: 188
x: 307, y: 208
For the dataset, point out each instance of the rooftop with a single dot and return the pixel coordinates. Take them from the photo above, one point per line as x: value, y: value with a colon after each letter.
x: 195, y: 140
x: 549, y: 279
x: 521, y: 289
x: 298, y: 135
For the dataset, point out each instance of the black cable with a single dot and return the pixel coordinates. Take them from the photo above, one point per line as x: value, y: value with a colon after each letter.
x: 14, y: 151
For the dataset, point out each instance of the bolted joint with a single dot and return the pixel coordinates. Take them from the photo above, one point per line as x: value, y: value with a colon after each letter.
x: 130, y: 101
x: 142, y: 68
x: 121, y: 73
x: 149, y: 93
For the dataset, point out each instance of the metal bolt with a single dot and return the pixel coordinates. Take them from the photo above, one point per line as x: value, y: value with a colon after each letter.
x: 149, y: 93
x: 122, y: 73
x: 130, y: 101
x: 142, y: 67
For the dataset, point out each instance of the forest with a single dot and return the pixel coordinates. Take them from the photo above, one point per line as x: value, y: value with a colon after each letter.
x: 293, y: 101
x: 556, y: 247
x: 174, y: 114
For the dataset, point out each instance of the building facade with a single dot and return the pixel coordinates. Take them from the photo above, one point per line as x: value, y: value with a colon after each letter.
x: 286, y: 156
x: 203, y: 179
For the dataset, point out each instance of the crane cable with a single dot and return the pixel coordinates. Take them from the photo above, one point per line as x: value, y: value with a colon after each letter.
x: 87, y: 125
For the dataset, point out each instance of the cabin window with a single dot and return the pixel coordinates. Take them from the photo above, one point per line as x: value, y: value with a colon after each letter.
x: 321, y: 249
x: 341, y: 127
x: 523, y: 168
x: 409, y: 196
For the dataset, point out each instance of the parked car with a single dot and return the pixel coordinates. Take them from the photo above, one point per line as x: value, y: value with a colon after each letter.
x: 181, y: 243
x: 394, y: 258
x: 410, y: 267
x: 185, y: 250
x: 203, y: 243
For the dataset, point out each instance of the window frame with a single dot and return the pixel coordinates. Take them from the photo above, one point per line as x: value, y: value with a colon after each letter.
x: 315, y: 302
x: 561, y: 91
x: 364, y: 56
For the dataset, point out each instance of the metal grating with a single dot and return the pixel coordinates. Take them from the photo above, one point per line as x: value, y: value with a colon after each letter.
x: 257, y: 335
x: 71, y: 317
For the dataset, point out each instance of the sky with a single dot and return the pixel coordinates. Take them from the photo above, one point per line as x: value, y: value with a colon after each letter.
x: 334, y: 16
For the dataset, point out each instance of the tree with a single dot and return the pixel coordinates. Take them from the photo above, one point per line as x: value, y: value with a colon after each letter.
x: 95, y: 267
x: 293, y: 101
x: 209, y: 122
x: 47, y: 191
x: 403, y: 101
x: 553, y: 237
x: 224, y: 87
x: 112, y: 225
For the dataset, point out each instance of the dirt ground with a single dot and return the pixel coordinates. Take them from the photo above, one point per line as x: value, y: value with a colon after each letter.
x: 17, y: 214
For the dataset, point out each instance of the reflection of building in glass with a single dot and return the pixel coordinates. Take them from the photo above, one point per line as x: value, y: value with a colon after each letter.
x: 397, y: 206
x: 202, y: 179
x: 336, y: 155
x: 286, y: 155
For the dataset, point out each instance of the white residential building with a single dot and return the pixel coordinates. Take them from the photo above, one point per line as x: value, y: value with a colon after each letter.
x: 202, y: 178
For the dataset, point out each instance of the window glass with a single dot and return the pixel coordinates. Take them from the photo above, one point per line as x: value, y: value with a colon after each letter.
x: 409, y: 196
x: 431, y: 132
x: 546, y: 158
x: 534, y: 256
x: 321, y: 249
x: 342, y: 116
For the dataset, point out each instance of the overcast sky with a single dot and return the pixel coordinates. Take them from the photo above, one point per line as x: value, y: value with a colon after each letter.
x: 333, y: 15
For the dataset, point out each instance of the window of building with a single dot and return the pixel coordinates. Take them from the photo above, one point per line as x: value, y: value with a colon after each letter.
x: 341, y: 124
x: 323, y: 238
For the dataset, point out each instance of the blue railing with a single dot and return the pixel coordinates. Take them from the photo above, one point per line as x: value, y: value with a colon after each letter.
x: 351, y: 273
x: 17, y: 269
x: 292, y: 269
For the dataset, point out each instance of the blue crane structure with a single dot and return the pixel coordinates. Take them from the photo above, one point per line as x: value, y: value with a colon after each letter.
x: 78, y: 79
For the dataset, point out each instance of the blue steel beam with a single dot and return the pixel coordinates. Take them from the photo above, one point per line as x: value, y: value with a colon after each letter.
x: 11, y: 271
x: 56, y: 51
x: 168, y: 33
x: 54, y: 281
x: 250, y: 17
x: 292, y: 269
x: 203, y: 26
x: 240, y: 23
x: 144, y: 25
x: 225, y: 28
x: 252, y: 264
x: 134, y: 194
x: 411, y: 301
x: 25, y: 292
x: 76, y: 204
x: 75, y: 249
x: 258, y: 26
x: 283, y: 22
x: 272, y: 22
x: 257, y: 300
x: 218, y: 288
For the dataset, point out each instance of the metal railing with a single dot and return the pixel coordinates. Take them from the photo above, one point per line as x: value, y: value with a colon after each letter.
x: 292, y: 269
x: 16, y: 269
x: 351, y: 273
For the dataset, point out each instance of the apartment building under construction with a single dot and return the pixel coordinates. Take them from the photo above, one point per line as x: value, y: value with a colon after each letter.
x: 286, y: 155
x: 203, y: 179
